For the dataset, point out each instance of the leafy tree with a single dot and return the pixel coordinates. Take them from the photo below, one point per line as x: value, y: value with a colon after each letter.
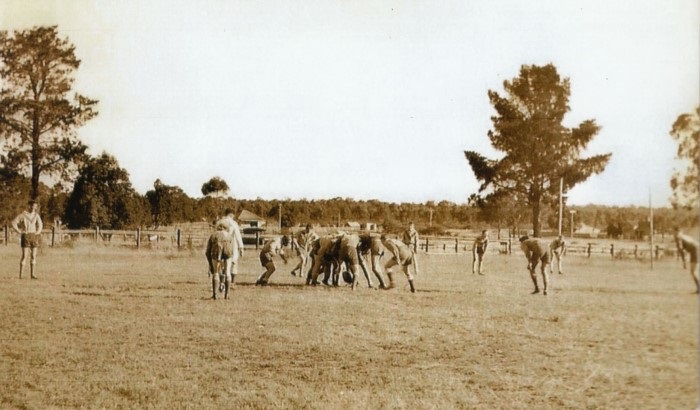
x: 14, y: 189
x: 103, y: 196
x: 37, y: 118
x: 538, y: 149
x: 686, y: 130
x: 215, y: 187
x: 169, y: 204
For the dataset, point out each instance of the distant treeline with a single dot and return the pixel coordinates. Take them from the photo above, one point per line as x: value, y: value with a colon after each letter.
x: 169, y: 205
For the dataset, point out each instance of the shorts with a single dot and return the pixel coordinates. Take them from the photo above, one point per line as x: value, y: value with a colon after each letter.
x: 693, y: 257
x: 409, y: 260
x: 30, y: 240
x: 480, y: 250
x: 266, y: 258
x: 220, y: 246
x: 349, y: 256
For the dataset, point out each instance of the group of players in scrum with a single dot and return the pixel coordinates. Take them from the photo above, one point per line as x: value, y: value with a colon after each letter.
x: 317, y: 255
x: 327, y: 254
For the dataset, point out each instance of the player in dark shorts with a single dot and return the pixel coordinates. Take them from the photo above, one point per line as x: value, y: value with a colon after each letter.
x: 28, y: 224
x: 537, y: 251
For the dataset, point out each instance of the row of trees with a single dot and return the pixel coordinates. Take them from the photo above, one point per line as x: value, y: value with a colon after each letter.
x: 103, y: 196
x: 41, y: 154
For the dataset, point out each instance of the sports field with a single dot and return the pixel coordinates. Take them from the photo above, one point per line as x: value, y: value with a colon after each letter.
x: 136, y: 329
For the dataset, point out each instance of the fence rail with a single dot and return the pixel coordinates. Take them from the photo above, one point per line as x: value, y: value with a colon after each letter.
x: 138, y: 238
x: 189, y: 239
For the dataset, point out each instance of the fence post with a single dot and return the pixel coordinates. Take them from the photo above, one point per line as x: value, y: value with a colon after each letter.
x: 138, y: 238
x: 53, y: 236
x: 7, y: 235
x: 97, y: 232
x: 427, y: 245
x: 456, y: 245
x: 178, y: 238
x: 257, y: 240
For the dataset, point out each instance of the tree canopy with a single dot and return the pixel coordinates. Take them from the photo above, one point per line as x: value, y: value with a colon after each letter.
x: 538, y: 149
x: 38, y: 118
x: 103, y: 196
x: 686, y: 130
x: 216, y: 187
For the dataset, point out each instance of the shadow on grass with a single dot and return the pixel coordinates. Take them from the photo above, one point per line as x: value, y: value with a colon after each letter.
x: 593, y: 289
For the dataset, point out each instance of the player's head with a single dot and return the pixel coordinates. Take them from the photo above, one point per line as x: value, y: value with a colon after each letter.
x: 228, y: 212
x: 523, y: 238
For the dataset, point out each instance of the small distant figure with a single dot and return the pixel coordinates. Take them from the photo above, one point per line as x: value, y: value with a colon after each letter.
x: 558, y: 248
x: 30, y: 235
x: 686, y: 244
x: 401, y: 255
x: 410, y: 237
x: 269, y: 250
x: 478, y: 251
x: 536, y: 250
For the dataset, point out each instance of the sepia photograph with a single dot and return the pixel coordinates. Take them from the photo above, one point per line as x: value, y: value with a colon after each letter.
x: 349, y: 204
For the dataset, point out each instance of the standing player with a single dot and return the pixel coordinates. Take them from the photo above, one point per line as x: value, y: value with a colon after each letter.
x: 558, y: 248
x: 479, y: 250
x: 30, y: 238
x: 302, y: 242
x: 686, y: 244
x: 226, y: 245
x: 536, y: 250
x: 272, y: 247
x: 410, y: 237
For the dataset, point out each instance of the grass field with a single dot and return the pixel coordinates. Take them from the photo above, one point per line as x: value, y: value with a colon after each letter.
x: 119, y: 328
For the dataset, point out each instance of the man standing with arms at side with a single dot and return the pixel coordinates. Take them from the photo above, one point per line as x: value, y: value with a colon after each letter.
x: 686, y: 244
x: 478, y: 251
x: 30, y: 235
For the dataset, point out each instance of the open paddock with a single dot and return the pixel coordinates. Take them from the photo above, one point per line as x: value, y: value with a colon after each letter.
x: 113, y: 327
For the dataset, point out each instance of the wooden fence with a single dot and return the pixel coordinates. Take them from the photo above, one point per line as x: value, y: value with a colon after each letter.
x: 191, y: 239
x: 139, y: 238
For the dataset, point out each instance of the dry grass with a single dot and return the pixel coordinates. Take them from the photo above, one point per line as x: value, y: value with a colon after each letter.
x: 119, y: 328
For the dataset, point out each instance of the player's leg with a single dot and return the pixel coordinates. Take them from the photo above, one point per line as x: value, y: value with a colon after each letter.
x: 32, y: 262
x: 407, y: 271
x: 694, y: 274
x: 387, y: 268
x: 215, y: 280
x: 376, y: 269
x: 23, y: 260
x: 227, y: 276
x: 545, y: 276
x: 558, y: 256
x: 533, y: 276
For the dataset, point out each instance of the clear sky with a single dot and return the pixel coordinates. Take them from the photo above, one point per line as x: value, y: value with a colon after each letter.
x: 368, y: 99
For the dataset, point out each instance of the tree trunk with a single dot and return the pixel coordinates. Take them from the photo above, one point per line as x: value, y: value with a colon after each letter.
x: 36, y: 155
x: 536, y: 218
